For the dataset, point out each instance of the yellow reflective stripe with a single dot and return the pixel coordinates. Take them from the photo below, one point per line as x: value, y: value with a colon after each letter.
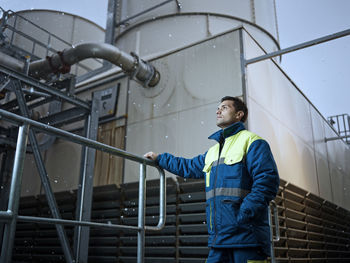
x: 210, y: 223
x: 258, y: 261
x: 207, y: 180
x: 206, y: 169
x: 211, y: 156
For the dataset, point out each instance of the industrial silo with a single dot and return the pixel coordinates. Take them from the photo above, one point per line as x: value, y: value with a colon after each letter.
x: 150, y: 28
x: 163, y: 30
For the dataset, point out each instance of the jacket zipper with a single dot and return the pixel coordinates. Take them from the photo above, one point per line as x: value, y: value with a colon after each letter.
x: 216, y: 176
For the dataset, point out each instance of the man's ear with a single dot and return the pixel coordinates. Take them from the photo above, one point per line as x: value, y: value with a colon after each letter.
x: 239, y: 115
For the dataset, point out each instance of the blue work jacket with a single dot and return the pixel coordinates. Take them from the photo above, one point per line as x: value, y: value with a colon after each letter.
x: 241, y: 179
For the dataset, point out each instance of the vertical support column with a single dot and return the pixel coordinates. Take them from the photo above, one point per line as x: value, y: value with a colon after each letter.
x: 243, y: 71
x: 15, y: 193
x: 111, y: 21
x: 43, y: 176
x: 141, y: 215
x: 85, y: 189
x: 110, y: 25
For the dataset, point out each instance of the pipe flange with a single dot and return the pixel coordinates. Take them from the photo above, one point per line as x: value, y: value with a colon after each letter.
x: 55, y: 70
x: 65, y: 67
x: 136, y: 67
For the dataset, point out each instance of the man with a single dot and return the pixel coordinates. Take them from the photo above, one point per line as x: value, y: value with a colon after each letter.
x: 241, y: 179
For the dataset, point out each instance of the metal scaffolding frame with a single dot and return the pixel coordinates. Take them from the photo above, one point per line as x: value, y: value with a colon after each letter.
x: 27, y: 131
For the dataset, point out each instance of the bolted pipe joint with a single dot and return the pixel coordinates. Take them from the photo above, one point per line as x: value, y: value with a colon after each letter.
x: 144, y: 72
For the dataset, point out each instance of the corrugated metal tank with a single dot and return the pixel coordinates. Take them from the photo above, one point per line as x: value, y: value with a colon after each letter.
x: 170, y: 27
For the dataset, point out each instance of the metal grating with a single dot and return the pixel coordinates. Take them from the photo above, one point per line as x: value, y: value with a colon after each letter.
x: 312, y: 229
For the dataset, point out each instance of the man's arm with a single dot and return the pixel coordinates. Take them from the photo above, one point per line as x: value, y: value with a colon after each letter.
x: 263, y: 171
x: 187, y: 168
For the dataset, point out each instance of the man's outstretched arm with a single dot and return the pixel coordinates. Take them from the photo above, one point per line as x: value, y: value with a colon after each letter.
x: 187, y: 168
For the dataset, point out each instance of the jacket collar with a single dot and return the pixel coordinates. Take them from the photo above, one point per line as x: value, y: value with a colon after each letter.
x: 227, y: 132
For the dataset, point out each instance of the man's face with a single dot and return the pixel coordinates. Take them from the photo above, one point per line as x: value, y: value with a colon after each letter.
x: 226, y: 114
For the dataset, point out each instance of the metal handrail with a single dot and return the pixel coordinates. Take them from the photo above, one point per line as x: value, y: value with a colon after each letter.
x: 9, y: 215
x: 276, y: 221
x: 275, y: 214
x: 9, y: 116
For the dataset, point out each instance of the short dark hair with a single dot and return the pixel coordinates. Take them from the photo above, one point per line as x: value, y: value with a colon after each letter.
x: 239, y: 106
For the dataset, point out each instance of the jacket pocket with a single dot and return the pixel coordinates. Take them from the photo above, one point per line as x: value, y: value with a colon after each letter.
x: 234, y: 166
x: 229, y: 212
x: 234, y: 158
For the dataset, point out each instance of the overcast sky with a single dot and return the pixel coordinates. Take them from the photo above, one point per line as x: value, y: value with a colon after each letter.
x: 321, y: 72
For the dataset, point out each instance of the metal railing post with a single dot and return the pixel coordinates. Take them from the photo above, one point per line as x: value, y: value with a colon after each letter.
x: 275, y: 213
x: 162, y: 202
x: 141, y: 215
x: 15, y: 193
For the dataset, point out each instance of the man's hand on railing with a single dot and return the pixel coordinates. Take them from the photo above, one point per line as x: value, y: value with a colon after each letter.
x: 151, y: 155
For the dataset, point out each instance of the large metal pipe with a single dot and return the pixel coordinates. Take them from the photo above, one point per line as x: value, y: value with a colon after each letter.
x: 11, y: 62
x: 62, y: 61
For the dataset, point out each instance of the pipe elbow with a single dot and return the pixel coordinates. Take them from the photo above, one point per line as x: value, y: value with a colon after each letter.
x: 129, y: 63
